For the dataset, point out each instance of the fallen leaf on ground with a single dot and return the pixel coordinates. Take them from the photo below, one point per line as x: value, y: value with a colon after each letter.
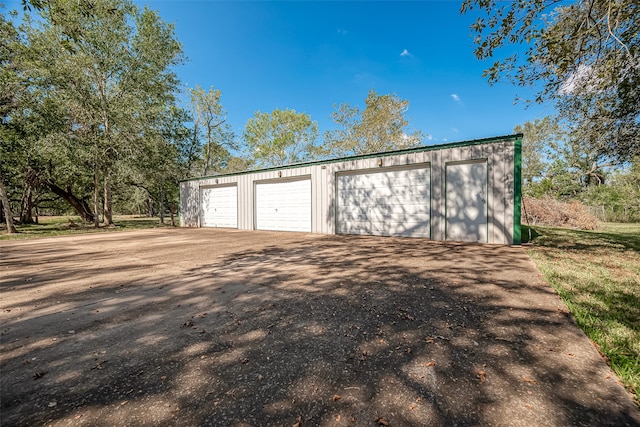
x: 481, y: 375
x: 382, y: 421
x: 99, y: 365
x: 431, y: 363
x: 529, y: 380
x: 336, y: 397
x: 39, y: 375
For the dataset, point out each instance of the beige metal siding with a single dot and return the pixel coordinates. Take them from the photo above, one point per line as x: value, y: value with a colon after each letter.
x: 499, y: 155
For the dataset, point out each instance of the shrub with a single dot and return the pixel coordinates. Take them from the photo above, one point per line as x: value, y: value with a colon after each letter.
x: 551, y: 212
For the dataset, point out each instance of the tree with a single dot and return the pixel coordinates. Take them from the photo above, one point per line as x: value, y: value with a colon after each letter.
x: 380, y: 127
x: 582, y: 54
x: 10, y: 89
x: 6, y: 206
x: 539, y: 136
x: 210, y: 121
x: 281, y: 137
x: 110, y: 66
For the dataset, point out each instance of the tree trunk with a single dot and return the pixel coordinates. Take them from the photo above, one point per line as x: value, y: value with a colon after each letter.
x: 96, y: 198
x: 149, y: 207
x: 81, y: 206
x: 108, y: 203
x: 26, y: 205
x: 8, y: 215
x: 162, y: 201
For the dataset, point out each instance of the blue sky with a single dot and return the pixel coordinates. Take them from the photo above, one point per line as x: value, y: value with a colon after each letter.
x: 308, y: 56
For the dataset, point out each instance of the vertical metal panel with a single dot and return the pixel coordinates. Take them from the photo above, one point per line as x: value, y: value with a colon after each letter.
x: 499, y: 176
x: 189, y: 202
x: 466, y: 201
x: 330, y: 208
x: 508, y: 161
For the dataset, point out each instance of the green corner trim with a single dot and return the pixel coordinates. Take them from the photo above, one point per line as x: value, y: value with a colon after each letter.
x: 517, y: 190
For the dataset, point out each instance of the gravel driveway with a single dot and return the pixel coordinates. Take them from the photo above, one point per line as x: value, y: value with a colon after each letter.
x: 234, y: 328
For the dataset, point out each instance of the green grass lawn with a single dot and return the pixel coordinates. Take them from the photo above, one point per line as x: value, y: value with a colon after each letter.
x: 597, y: 275
x: 65, y: 225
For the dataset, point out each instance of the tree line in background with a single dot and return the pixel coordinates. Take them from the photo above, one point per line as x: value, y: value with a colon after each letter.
x: 92, y: 121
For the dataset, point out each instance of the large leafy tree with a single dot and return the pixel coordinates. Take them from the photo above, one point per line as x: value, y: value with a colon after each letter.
x: 281, y: 137
x: 539, y: 136
x: 211, y: 129
x: 381, y: 126
x: 583, y: 54
x: 110, y: 67
x: 9, y: 101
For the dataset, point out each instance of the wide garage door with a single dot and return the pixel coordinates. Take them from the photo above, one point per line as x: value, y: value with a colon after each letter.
x: 284, y: 205
x: 385, y: 203
x: 466, y: 202
x: 219, y: 207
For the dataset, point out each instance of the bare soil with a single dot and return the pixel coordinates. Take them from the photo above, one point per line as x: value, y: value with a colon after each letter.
x: 232, y: 328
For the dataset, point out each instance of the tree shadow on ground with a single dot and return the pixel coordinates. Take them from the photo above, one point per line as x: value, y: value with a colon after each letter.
x: 319, y: 330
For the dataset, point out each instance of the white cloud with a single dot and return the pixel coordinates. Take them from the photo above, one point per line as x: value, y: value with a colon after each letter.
x: 405, y: 53
x: 445, y: 140
x: 429, y: 137
x: 454, y: 130
x: 455, y: 97
x: 342, y: 31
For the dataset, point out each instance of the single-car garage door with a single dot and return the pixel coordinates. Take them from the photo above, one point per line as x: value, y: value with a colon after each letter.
x: 219, y: 207
x: 466, y: 203
x: 385, y: 202
x: 284, y: 205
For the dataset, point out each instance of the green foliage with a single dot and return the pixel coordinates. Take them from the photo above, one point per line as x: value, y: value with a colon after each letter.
x: 382, y: 126
x: 49, y: 226
x: 619, y: 200
x: 597, y: 275
x: 211, y: 130
x: 539, y: 135
x: 585, y: 55
x: 98, y: 111
x: 281, y: 137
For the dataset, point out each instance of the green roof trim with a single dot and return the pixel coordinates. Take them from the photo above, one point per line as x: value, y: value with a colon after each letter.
x: 517, y: 191
x: 517, y: 137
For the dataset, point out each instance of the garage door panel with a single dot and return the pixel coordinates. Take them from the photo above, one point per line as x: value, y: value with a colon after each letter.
x: 398, y: 193
x: 284, y: 206
x: 407, y: 229
x: 394, y: 202
x: 219, y: 207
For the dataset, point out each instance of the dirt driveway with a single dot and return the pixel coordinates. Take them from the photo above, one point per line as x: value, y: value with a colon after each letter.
x: 231, y: 328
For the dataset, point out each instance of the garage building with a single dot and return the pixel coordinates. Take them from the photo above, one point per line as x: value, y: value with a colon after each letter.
x: 466, y: 191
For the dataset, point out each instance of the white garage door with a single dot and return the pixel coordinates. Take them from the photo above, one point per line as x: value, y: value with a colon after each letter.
x: 219, y: 207
x: 284, y: 206
x: 466, y: 202
x: 385, y: 203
